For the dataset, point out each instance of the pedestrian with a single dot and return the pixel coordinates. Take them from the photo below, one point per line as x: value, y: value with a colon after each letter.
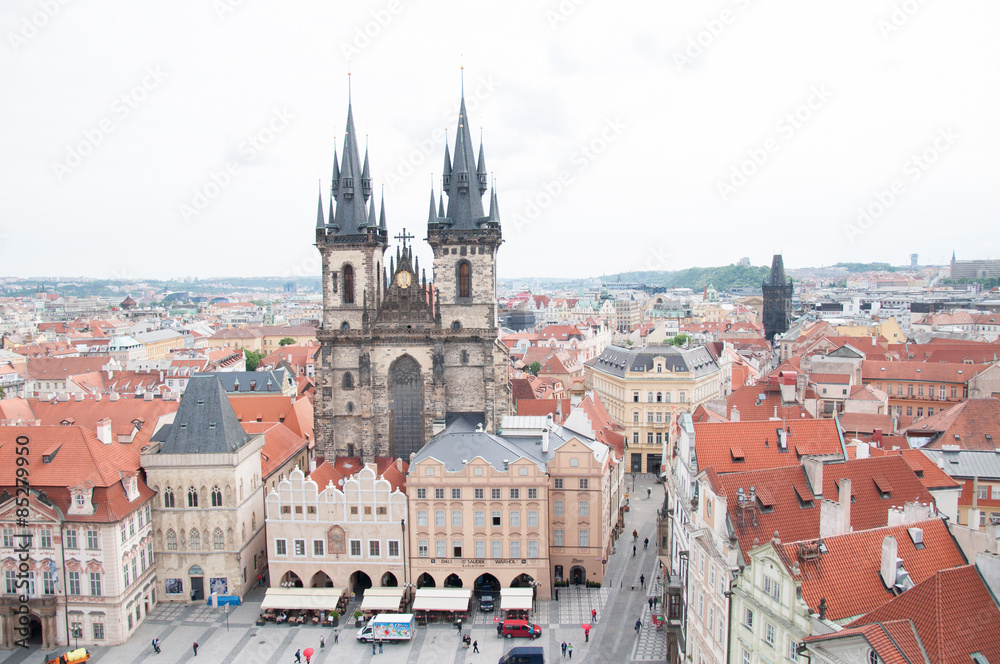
x: 194, y: 646
x: 499, y: 629
x: 650, y: 603
x: 648, y: 492
x: 586, y: 634
x: 645, y: 544
x: 380, y: 646
x: 298, y: 656
x: 569, y: 649
x: 336, y: 636
x: 635, y: 535
x: 156, y: 646
x: 563, y: 648
x: 593, y: 615
x: 322, y: 642
x: 638, y: 625
x: 633, y: 550
x: 475, y: 646
x: 656, y: 602
x: 459, y: 625
x: 642, y: 580
x: 308, y: 659
x: 373, y: 647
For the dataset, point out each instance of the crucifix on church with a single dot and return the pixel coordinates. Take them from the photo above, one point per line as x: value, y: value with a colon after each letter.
x: 404, y: 237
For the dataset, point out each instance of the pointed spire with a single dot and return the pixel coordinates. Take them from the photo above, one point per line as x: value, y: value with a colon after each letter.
x: 494, y: 206
x: 320, y: 221
x: 370, y: 221
x: 381, y: 214
x: 350, y: 214
x: 441, y: 204
x: 335, y: 184
x: 465, y: 203
x: 481, y: 167
x: 432, y: 216
x: 366, y: 176
x: 446, y: 173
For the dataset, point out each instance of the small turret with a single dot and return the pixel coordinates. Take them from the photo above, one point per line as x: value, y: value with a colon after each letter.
x: 481, y: 168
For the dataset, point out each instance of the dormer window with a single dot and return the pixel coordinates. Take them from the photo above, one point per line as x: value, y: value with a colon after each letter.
x: 81, y: 500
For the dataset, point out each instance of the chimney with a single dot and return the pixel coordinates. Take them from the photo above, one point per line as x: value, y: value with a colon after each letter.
x: 787, y: 383
x: 814, y: 472
x: 888, y: 567
x: 877, y: 437
x: 844, y: 498
x: 974, y: 518
x: 862, y: 450
x: 104, y: 430
x: 312, y: 465
x: 545, y: 441
x: 399, y: 464
x: 800, y: 388
x: 734, y: 414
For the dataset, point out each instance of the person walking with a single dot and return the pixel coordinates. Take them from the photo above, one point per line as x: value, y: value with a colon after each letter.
x: 642, y: 580
x: 650, y: 603
x: 380, y: 646
x: 635, y: 535
x: 648, y: 492
x: 638, y: 625
x: 459, y: 625
x: 563, y: 648
x: 633, y: 550
x: 499, y: 629
x: 298, y: 656
x: 373, y: 647
x: 336, y: 636
x: 309, y: 658
x: 194, y: 646
x: 475, y: 646
x: 593, y: 615
x: 586, y: 635
x: 156, y: 646
x: 569, y: 649
x: 322, y: 642
x: 645, y: 544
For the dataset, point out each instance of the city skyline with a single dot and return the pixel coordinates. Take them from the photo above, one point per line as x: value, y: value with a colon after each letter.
x: 145, y: 156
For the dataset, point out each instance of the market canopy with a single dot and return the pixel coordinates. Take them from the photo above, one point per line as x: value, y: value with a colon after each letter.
x: 382, y: 599
x: 516, y: 599
x: 318, y: 599
x: 442, y: 599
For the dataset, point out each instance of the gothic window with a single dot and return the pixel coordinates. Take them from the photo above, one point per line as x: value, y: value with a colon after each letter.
x: 345, y: 325
x: 407, y: 407
x: 348, y: 284
x: 171, y: 540
x: 218, y: 540
x: 216, y: 496
x: 333, y: 281
x: 464, y: 279
x: 194, y: 540
x: 348, y: 381
x: 192, y: 497
x: 350, y: 406
x: 465, y: 357
x: 168, y: 497
x: 456, y: 325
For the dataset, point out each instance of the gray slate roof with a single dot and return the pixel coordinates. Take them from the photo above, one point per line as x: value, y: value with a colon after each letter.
x: 968, y: 463
x: 616, y: 360
x: 244, y: 382
x: 205, y: 422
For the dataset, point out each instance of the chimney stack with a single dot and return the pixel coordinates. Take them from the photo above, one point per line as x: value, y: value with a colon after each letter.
x: 104, y: 430
x: 845, y: 502
x: 888, y: 566
x: 734, y: 414
x: 814, y: 473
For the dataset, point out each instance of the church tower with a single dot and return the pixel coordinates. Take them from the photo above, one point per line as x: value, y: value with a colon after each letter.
x: 777, y: 300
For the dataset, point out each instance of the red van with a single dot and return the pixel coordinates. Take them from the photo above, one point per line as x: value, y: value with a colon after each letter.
x: 512, y: 628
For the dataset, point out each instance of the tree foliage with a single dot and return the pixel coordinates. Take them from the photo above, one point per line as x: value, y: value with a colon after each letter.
x: 287, y: 341
x: 680, y: 339
x: 534, y: 368
x: 253, y: 358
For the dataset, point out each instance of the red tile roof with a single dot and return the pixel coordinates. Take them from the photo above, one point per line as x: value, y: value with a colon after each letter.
x: 865, y: 423
x: 925, y: 469
x: 297, y: 415
x: 59, y: 368
x: 966, y: 424
x: 280, y: 444
x: 895, y: 641
x: 923, y: 372
x: 746, y: 401
x: 125, y: 412
x: 847, y: 575
x: 830, y: 378
x: 392, y: 470
x: 530, y: 407
x: 759, y: 440
x: 954, y: 612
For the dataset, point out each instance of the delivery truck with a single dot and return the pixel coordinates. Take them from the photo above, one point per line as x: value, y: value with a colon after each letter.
x: 388, y: 627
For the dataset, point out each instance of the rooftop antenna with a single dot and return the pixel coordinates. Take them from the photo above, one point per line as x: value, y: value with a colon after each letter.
x: 461, y: 68
x: 348, y: 82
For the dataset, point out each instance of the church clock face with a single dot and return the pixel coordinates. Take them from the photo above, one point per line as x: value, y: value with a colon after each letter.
x: 403, y: 279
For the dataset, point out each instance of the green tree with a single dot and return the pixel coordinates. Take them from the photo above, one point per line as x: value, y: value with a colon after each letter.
x: 534, y: 368
x: 287, y: 341
x: 680, y: 340
x: 253, y: 358
x: 2, y: 394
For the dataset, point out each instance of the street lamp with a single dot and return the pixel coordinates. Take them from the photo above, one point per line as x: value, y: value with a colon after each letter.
x: 77, y: 633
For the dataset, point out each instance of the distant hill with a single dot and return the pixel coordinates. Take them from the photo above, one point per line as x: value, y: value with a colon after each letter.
x: 723, y: 278
x: 872, y: 267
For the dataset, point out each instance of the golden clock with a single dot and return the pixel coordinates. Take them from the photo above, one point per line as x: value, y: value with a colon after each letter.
x: 403, y: 279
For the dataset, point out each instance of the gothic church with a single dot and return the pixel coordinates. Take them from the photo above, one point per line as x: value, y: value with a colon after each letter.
x: 400, y: 356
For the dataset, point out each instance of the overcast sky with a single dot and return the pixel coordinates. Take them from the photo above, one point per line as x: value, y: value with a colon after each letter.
x: 170, y: 139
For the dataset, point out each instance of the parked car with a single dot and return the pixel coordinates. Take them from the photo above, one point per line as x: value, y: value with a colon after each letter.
x: 524, y: 655
x: 486, y: 603
x: 512, y: 628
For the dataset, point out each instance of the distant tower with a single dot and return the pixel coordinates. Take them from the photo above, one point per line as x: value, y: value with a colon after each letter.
x: 777, y: 300
x: 914, y: 261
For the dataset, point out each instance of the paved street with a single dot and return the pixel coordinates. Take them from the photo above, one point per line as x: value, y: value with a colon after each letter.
x: 612, y: 639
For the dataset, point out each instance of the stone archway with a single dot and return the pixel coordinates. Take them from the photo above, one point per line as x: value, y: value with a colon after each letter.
x: 389, y: 580
x: 577, y: 575
x: 452, y: 581
x: 291, y: 580
x: 425, y: 580
x: 321, y: 580
x: 360, y: 582
x: 486, y: 583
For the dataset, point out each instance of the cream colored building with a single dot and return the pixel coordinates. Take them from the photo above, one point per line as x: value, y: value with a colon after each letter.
x: 642, y: 388
x: 335, y: 530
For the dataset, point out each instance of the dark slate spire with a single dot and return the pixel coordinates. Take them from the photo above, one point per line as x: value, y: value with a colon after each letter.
x: 465, y: 200
x: 494, y: 206
x: 446, y: 173
x: 381, y: 214
x: 441, y: 204
x: 349, y: 195
x: 205, y: 422
x: 320, y: 221
x: 432, y: 215
x: 371, y: 214
x: 336, y: 172
x: 366, y: 176
x: 777, y: 271
x: 481, y: 167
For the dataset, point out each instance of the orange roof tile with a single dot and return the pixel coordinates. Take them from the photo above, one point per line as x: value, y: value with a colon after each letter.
x: 759, y: 441
x: 966, y: 424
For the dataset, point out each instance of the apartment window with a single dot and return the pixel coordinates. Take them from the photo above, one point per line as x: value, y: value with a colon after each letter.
x: 439, y: 494
x: 954, y: 392
x: 920, y: 412
x: 374, y: 548
x: 124, y: 571
x: 558, y: 483
x: 95, y: 584
x: 456, y: 518
x: 421, y: 517
x: 394, y: 548
x: 635, y: 397
x: 497, y: 547
x: 793, y: 651
x: 124, y: 532
x: 635, y: 437
x: 909, y: 411
x: 356, y: 548
x: 10, y: 579
x: 981, y: 492
x: 8, y: 538
x: 73, y: 580
x: 649, y: 418
x: 748, y: 618
x: 711, y: 576
x: 480, y: 518
x: 495, y: 518
x: 456, y: 494
x: 456, y: 548
x: 479, y: 494
x: 439, y: 518
x: 300, y: 547
x: 584, y: 508
x: 920, y: 390
x: 909, y: 389
x: 495, y: 494
x: 515, y: 494
x: 98, y: 631
x: 515, y: 519
x: 381, y: 510
x: 422, y: 548
x: 659, y: 418
x: 941, y: 392
x: 584, y: 538
x: 996, y: 492
x: 635, y: 417
x: 745, y: 657
x: 557, y: 537
x: 532, y: 494
x: 422, y: 494
x: 480, y: 549
x: 532, y: 548
x: 584, y: 483
x: 318, y: 548
x: 515, y: 548
x: 532, y: 518
x: 557, y: 507
x: 682, y: 397
x: 441, y: 548
x: 769, y: 634
x: 92, y: 542
x: 772, y: 588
